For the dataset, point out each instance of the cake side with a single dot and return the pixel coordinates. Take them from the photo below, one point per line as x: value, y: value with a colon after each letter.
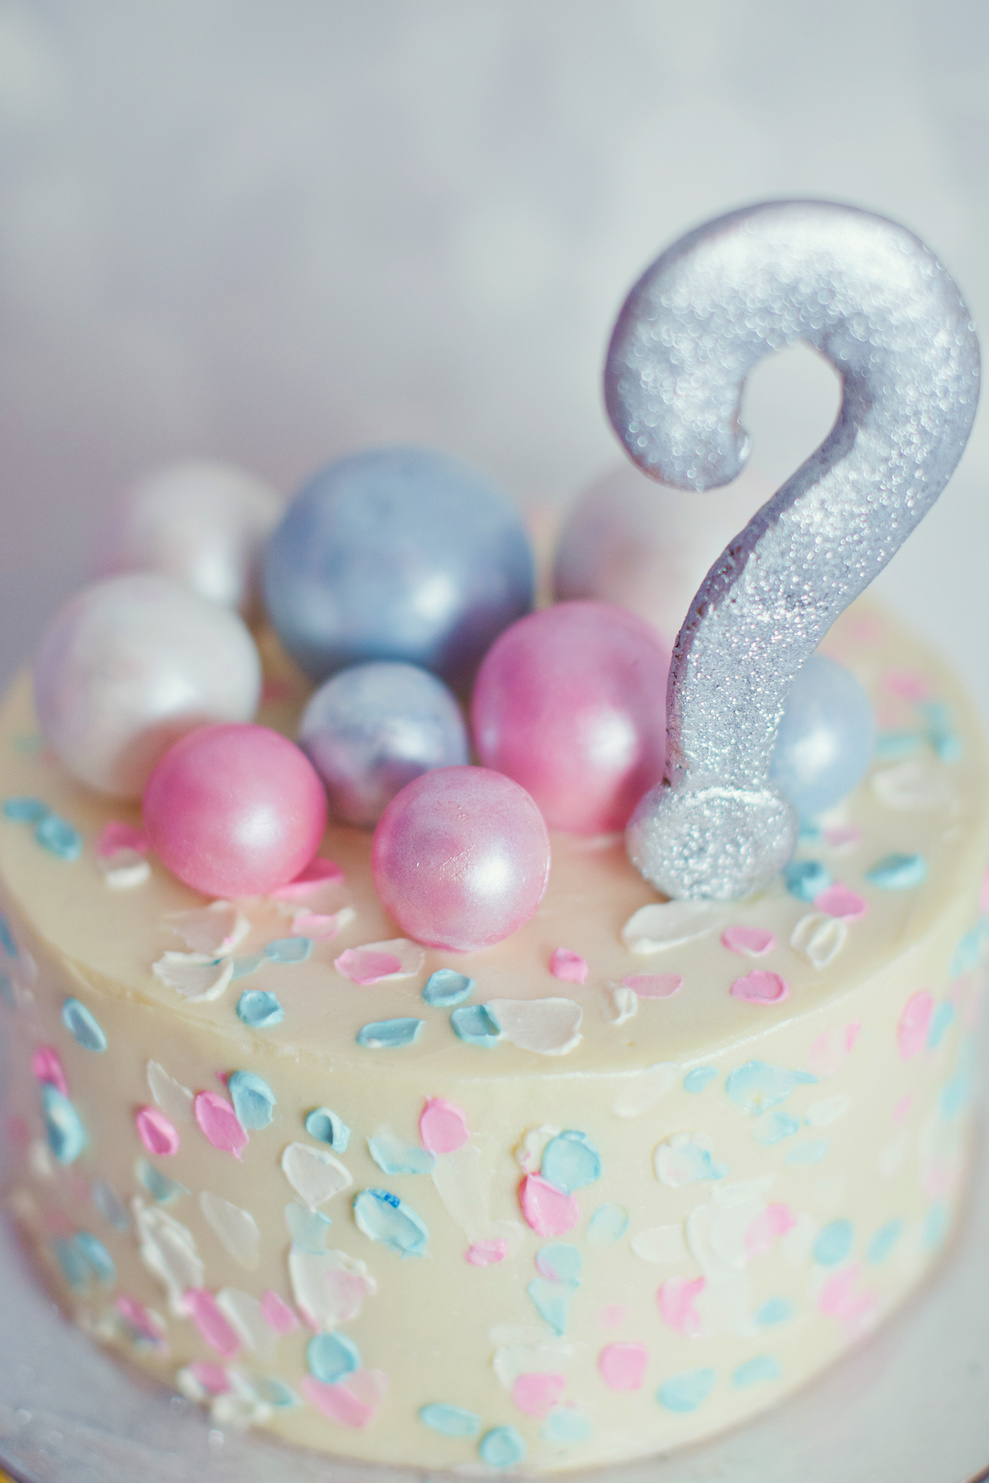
x: 751, y: 1180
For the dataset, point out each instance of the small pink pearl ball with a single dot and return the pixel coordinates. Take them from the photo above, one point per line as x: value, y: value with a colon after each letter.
x: 461, y: 858
x: 235, y: 810
x: 571, y: 703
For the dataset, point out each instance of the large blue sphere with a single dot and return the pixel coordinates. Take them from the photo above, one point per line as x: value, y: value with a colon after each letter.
x: 373, y: 728
x: 397, y: 553
x: 825, y: 738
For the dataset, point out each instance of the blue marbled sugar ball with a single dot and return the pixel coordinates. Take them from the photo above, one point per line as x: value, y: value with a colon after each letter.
x: 825, y: 738
x: 373, y: 728
x: 397, y: 553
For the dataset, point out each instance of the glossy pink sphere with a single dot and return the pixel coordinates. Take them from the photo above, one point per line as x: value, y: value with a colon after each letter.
x: 235, y: 810
x: 461, y: 858
x: 571, y: 703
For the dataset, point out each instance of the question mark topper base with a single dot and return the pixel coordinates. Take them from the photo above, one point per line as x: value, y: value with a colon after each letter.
x: 619, y: 1182
x: 878, y: 305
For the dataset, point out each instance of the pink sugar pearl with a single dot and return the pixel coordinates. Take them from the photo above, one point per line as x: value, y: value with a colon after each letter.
x: 461, y: 858
x: 235, y: 810
x: 571, y: 703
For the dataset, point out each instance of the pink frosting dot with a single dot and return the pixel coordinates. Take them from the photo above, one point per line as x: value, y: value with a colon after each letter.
x: 653, y: 985
x: 774, y: 1222
x: 831, y: 1049
x: 115, y: 836
x: 676, y: 1304
x: 215, y: 1329
x: 277, y: 1313
x: 840, y: 835
x: 443, y: 1126
x: 914, y: 1023
x: 750, y: 942
x: 906, y: 683
x: 547, y: 1211
x: 46, y: 1063
x: 366, y: 965
x: 212, y: 1377
x: 337, y: 1402
x: 146, y: 1324
x: 537, y: 1393
x: 235, y: 810
x: 568, y: 966
x: 157, y: 1133
x: 840, y: 901
x: 760, y: 987
x: 219, y: 1123
x: 623, y: 1366
x: 487, y: 1253
x: 612, y: 1316
x: 902, y: 1108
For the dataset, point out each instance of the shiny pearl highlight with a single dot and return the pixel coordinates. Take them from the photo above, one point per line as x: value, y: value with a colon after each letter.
x: 131, y: 664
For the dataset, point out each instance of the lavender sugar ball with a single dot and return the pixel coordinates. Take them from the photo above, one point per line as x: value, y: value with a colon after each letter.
x: 397, y: 553
x: 373, y: 728
x: 128, y: 666
x: 825, y: 739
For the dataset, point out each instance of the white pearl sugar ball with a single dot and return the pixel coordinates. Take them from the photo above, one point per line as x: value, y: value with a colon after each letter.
x: 131, y: 664
x: 202, y: 523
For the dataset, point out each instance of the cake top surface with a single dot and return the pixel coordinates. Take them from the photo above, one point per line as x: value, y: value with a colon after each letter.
x: 587, y: 984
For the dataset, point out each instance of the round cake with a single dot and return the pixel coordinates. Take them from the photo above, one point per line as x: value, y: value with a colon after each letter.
x: 607, y: 1187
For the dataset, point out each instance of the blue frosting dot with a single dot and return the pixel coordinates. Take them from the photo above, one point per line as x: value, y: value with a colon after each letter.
x: 25, y: 810
x: 288, y: 949
x: 774, y: 1311
x: 392, y: 1156
x: 389, y: 1034
x: 895, y: 746
x: 59, y: 838
x: 811, y: 1152
x: 110, y: 1205
x: 833, y: 1243
x: 773, y: 1127
x: 7, y: 937
x: 566, y: 1424
x: 83, y: 1024
x: 446, y: 987
x: 699, y: 1078
x: 161, y: 1189
x: 755, y: 1087
x: 686, y: 1392
x: 502, y: 1447
x: 324, y: 1125
x: 383, y: 1217
x: 476, y: 1024
x: 957, y: 1093
x: 936, y: 1223
x: 947, y: 744
x: 560, y: 1262
x: 968, y: 951
x: 570, y: 1161
x: 98, y: 1258
x: 552, y: 1301
x: 259, y: 1009
x: 245, y: 966
x: 274, y: 1392
x: 307, y: 1228
x: 755, y: 1371
x: 806, y: 879
x: 254, y: 1101
x: 607, y: 1225
x: 63, y: 1126
x: 941, y: 1022
x: 75, y: 1268
x: 883, y: 1241
x: 898, y: 872
x: 332, y: 1357
x: 450, y: 1421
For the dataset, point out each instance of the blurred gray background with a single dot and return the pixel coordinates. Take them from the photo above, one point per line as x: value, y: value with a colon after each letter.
x: 276, y: 230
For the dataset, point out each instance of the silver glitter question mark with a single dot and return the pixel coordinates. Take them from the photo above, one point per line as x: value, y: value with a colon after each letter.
x: 879, y: 306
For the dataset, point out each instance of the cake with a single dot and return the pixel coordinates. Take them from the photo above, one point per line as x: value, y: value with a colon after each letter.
x: 602, y: 1187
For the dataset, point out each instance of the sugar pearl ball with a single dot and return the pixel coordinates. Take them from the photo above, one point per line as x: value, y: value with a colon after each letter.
x: 235, y: 810
x: 461, y: 858
x: 202, y: 523
x: 397, y: 553
x: 641, y: 544
x: 825, y: 739
x: 571, y: 703
x: 129, y: 665
x: 375, y: 727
